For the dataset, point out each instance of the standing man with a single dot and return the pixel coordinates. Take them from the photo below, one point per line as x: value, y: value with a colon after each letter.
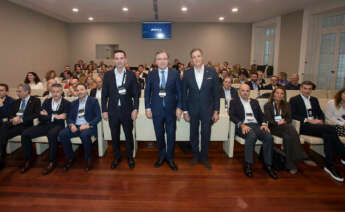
x: 200, y: 104
x: 120, y: 103
x: 163, y: 96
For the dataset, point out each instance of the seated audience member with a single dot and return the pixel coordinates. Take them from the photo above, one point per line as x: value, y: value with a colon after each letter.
x: 254, y: 83
x: 24, y: 110
x: 224, y: 74
x: 306, y: 109
x: 82, y: 120
x: 273, y: 85
x: 67, y: 78
x: 50, y: 75
x: 278, y: 116
x: 335, y: 112
x: 90, y: 83
x: 66, y: 68
x: 242, y: 78
x: 282, y: 79
x: 97, y: 92
x: 52, y: 120
x: 48, y: 93
x: 72, y: 91
x: 142, y: 71
x: 6, y: 103
x: 140, y: 81
x: 227, y: 92
x: 261, y: 78
x: 77, y: 72
x: 33, y: 81
x: 249, y: 119
x: 293, y: 84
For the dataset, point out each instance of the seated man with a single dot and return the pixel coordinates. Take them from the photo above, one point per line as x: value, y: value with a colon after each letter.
x: 306, y: 109
x: 97, y: 92
x: 248, y: 117
x: 254, y: 83
x: 261, y: 78
x: 72, y: 91
x: 48, y: 92
x: 24, y: 110
x: 82, y: 121
x: 293, y: 84
x: 273, y: 84
x: 227, y: 91
x: 52, y: 120
x: 6, y: 103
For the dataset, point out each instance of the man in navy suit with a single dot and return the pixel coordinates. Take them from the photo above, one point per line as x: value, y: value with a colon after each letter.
x: 200, y: 104
x: 120, y: 103
x: 226, y: 91
x: 163, y: 103
x: 6, y: 103
x: 52, y: 120
x: 82, y: 121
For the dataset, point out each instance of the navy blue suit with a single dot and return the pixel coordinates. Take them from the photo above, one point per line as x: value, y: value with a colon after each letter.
x: 200, y: 104
x: 120, y: 115
x: 6, y: 108
x: 92, y: 116
x: 164, y: 115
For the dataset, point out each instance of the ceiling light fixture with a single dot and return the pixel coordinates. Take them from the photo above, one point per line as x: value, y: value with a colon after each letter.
x: 221, y: 18
x: 234, y: 10
x: 90, y: 18
x: 75, y: 10
x: 184, y: 9
x: 124, y: 9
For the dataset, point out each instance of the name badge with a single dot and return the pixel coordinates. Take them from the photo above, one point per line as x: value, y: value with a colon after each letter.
x: 20, y: 113
x: 122, y: 90
x: 81, y: 113
x: 162, y: 93
x: 310, y: 114
x: 277, y: 118
x: 250, y: 117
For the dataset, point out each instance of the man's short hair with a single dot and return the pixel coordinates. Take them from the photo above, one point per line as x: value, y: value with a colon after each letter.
x: 82, y: 85
x: 25, y: 87
x: 120, y: 51
x: 254, y: 73
x: 4, y: 85
x: 57, y: 85
x: 196, y: 49
x: 161, y: 51
x: 308, y: 82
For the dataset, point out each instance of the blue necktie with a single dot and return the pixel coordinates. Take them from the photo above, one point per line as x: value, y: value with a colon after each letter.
x: 22, y: 107
x: 163, y: 84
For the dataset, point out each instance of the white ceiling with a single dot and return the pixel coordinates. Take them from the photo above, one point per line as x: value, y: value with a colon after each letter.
x: 168, y: 10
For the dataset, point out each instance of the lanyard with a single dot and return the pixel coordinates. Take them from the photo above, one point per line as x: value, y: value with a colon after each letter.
x: 123, y: 80
x: 58, y: 105
x: 275, y: 110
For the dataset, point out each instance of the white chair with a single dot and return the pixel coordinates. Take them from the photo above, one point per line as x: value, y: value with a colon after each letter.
x: 320, y: 94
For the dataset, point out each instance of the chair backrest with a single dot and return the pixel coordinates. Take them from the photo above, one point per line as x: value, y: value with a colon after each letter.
x: 235, y: 85
x: 291, y: 93
x: 323, y: 102
x: 37, y: 92
x: 320, y: 94
x: 331, y: 94
x: 253, y: 94
x: 262, y: 103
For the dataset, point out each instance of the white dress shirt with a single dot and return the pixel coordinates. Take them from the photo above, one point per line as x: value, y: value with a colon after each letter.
x: 26, y: 102
x: 307, y: 105
x: 39, y: 85
x: 227, y: 93
x: 248, y: 110
x: 119, y: 78
x: 335, y: 114
x: 82, y: 106
x: 98, y: 93
x: 199, y: 76
x: 55, y: 107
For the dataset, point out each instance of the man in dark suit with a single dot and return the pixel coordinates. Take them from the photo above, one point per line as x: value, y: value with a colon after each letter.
x: 273, y: 84
x: 227, y: 92
x: 6, y: 103
x: 293, y: 84
x: 306, y: 109
x: 24, y: 110
x: 120, y: 103
x: 82, y: 121
x: 254, y: 83
x: 261, y: 78
x: 97, y: 92
x: 52, y: 120
x: 163, y: 103
x: 200, y: 103
x: 248, y: 117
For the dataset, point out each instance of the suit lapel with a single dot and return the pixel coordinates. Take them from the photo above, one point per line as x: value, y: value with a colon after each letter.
x: 114, y: 78
x: 203, y: 84
x: 27, y: 104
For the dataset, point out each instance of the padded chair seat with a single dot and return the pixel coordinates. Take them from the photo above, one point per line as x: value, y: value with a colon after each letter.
x: 312, y: 139
x: 75, y: 140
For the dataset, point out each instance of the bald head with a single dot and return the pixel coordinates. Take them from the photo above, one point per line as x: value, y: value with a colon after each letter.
x: 244, y: 91
x: 50, y: 83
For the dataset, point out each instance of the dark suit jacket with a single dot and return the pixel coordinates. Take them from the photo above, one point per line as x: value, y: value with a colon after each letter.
x: 233, y: 92
x: 236, y: 111
x: 111, y: 96
x: 290, y: 86
x: 92, y: 112
x: 47, y: 106
x: 269, y: 115
x: 250, y: 83
x: 93, y: 92
x: 268, y: 87
x: 173, y: 98
x: 5, y: 110
x: 201, y: 102
x: 299, y: 111
x: 32, y: 110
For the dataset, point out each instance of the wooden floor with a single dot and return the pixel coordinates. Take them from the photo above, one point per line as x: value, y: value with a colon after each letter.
x: 192, y: 189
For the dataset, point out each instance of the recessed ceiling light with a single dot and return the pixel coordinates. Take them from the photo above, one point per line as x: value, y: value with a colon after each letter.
x: 234, y: 10
x: 124, y: 9
x: 221, y: 18
x: 90, y: 18
x: 184, y: 9
x: 75, y: 10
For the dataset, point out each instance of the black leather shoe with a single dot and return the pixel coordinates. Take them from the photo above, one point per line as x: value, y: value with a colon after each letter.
x: 333, y: 173
x: 206, y: 164
x: 68, y: 164
x: 51, y: 166
x: 172, y: 165
x: 270, y: 172
x: 115, y: 163
x: 193, y: 162
x: 247, y: 168
x: 159, y: 162
x: 27, y: 166
x: 88, y: 165
x: 131, y: 163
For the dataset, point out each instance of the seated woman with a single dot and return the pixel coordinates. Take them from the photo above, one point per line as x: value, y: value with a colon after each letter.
x: 335, y: 112
x: 51, y: 75
x: 33, y: 81
x: 278, y: 116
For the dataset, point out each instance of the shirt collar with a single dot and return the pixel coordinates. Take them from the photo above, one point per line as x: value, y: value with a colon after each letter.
x: 165, y: 70
x: 304, y: 98
x: 201, y: 70
x: 85, y: 99
x: 242, y: 100
x: 26, y: 99
x: 117, y: 72
x: 58, y: 101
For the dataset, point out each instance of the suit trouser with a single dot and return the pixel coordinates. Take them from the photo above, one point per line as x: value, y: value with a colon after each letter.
x: 331, y: 140
x: 8, y: 131
x: 205, y: 136
x: 250, y: 139
x: 165, y: 123
x: 115, y: 122
x: 50, y: 130
x: 66, y: 134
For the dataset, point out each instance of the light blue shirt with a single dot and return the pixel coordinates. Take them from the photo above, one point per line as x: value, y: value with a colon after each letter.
x: 82, y: 105
x: 165, y: 76
x: 119, y: 79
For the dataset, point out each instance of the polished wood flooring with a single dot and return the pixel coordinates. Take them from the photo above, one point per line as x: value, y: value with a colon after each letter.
x: 190, y: 189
